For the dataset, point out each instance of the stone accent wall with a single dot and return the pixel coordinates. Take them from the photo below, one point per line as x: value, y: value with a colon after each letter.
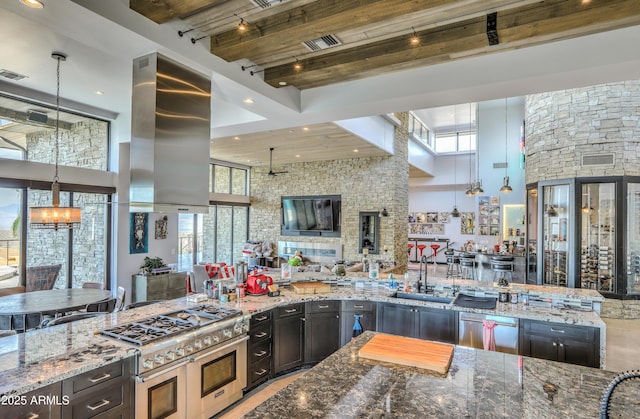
x: 365, y: 184
x: 620, y: 309
x: 84, y: 145
x: 563, y: 126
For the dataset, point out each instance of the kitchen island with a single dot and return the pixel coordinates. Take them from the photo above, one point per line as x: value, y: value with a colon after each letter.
x: 479, y: 384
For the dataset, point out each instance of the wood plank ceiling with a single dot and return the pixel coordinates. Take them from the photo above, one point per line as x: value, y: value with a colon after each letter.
x: 371, y: 37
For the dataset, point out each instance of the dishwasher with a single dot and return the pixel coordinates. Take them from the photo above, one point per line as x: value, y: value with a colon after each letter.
x: 470, y: 332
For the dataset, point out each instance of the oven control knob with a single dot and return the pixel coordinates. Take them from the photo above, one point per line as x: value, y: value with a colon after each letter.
x: 147, y: 363
x: 170, y: 356
x: 216, y: 338
x: 158, y: 359
x: 207, y: 340
x: 198, y: 344
x: 180, y: 351
x: 189, y: 348
x: 227, y: 333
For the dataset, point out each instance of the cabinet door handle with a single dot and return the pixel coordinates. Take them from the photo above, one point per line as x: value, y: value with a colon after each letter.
x: 358, y: 306
x: 291, y: 310
x: 103, y: 377
x: 261, y: 372
x: 261, y: 334
x: 324, y: 306
x: 103, y: 403
x: 259, y: 319
x: 261, y: 353
x: 557, y: 330
x: 34, y: 416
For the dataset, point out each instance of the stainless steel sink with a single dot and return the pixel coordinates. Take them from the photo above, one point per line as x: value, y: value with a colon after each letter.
x: 422, y: 297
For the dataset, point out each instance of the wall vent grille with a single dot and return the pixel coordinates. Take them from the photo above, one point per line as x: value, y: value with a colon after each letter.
x: 597, y: 160
x: 502, y: 165
x: 324, y: 42
x: 7, y: 74
x: 265, y: 4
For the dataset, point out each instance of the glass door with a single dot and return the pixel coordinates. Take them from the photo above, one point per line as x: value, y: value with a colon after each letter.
x: 632, y: 238
x: 557, y: 229
x: 532, y: 235
x: 598, y: 236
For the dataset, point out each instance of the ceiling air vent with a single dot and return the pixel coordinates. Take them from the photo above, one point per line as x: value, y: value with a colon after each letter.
x: 323, y: 42
x: 265, y: 4
x: 502, y: 165
x: 7, y: 74
x: 598, y: 160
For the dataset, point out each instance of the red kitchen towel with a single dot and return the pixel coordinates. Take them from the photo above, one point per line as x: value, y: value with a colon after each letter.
x: 488, y: 336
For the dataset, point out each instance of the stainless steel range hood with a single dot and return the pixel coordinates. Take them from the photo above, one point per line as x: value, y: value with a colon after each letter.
x: 171, y: 130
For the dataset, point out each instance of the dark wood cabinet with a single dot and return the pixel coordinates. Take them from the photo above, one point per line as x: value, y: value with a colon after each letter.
x: 30, y: 405
x: 367, y: 311
x: 418, y: 322
x: 321, y: 330
x: 106, y: 392
x: 259, y: 349
x: 288, y: 335
x: 578, y: 345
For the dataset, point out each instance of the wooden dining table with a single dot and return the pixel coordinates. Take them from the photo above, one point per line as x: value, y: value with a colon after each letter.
x: 52, y: 302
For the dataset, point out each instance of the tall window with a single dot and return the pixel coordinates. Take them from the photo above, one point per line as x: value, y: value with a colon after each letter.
x: 83, y: 143
x: 450, y: 142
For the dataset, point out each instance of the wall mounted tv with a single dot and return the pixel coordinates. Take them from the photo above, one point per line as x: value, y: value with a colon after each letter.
x: 317, y: 215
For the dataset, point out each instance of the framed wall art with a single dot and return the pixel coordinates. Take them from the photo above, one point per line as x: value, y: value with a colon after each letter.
x: 139, y: 232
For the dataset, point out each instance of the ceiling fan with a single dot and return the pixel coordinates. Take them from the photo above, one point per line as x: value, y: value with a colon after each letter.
x: 271, y: 172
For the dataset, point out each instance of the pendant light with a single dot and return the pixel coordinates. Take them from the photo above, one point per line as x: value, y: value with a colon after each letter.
x: 505, y: 182
x: 477, y: 186
x: 455, y: 213
x: 55, y: 217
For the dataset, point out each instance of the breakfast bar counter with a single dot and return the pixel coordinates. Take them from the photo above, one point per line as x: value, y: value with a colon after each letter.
x: 478, y: 384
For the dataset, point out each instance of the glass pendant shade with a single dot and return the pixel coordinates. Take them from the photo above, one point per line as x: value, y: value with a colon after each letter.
x: 505, y: 186
x: 455, y: 213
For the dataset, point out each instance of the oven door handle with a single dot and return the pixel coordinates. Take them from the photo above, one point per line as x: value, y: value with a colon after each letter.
x: 143, y: 378
x: 221, y: 348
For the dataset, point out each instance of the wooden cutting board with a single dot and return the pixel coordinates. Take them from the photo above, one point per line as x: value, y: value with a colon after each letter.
x: 418, y: 353
x: 310, y: 287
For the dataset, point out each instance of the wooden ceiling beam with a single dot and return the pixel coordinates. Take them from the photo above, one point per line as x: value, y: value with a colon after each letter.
x: 314, y: 20
x: 542, y: 22
x: 161, y: 11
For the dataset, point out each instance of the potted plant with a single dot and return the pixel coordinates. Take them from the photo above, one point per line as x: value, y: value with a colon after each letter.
x: 153, y: 266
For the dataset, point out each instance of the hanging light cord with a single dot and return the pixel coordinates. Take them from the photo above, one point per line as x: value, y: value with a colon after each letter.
x: 58, y: 58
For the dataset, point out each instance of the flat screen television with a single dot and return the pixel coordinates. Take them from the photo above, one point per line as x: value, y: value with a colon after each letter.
x: 316, y: 215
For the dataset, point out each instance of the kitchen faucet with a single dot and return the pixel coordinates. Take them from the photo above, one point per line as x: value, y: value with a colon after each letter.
x: 423, y: 263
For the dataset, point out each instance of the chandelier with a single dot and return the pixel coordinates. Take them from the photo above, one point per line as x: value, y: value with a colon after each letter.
x: 55, y: 217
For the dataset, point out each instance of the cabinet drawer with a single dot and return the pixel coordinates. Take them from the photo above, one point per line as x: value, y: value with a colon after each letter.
x: 291, y: 310
x: 322, y: 306
x: 97, y: 403
x: 583, y: 333
x: 259, y: 372
x: 49, y: 408
x: 259, y: 334
x: 107, y: 373
x: 358, y: 306
x: 260, y: 318
x: 259, y: 352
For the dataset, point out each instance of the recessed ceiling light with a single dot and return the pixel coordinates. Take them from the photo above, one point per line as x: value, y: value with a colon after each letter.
x: 290, y: 131
x: 355, y: 150
x: 34, y: 4
x: 248, y: 101
x: 282, y: 83
x: 236, y: 138
x: 297, y: 155
x: 305, y: 128
x: 99, y: 92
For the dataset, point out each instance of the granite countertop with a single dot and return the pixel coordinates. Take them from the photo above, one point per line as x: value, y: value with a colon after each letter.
x: 479, y: 384
x: 40, y: 357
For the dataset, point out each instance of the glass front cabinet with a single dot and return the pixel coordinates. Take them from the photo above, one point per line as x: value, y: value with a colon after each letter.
x: 585, y: 233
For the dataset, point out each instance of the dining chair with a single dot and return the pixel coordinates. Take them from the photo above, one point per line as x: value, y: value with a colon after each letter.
x: 106, y: 306
x: 20, y: 322
x: 96, y: 285
x: 71, y: 318
x: 41, y: 278
x: 120, y: 296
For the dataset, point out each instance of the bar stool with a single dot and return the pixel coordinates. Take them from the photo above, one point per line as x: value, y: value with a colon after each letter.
x: 421, y: 248
x: 468, y: 266
x: 435, y: 248
x: 409, y: 251
x: 453, y: 264
x: 502, y: 265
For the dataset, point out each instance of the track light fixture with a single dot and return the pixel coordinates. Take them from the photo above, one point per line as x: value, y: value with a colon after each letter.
x: 242, y: 26
x: 297, y: 65
x: 415, y: 39
x: 194, y: 40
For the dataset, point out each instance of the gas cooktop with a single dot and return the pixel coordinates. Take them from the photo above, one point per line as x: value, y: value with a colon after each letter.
x: 152, y: 329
